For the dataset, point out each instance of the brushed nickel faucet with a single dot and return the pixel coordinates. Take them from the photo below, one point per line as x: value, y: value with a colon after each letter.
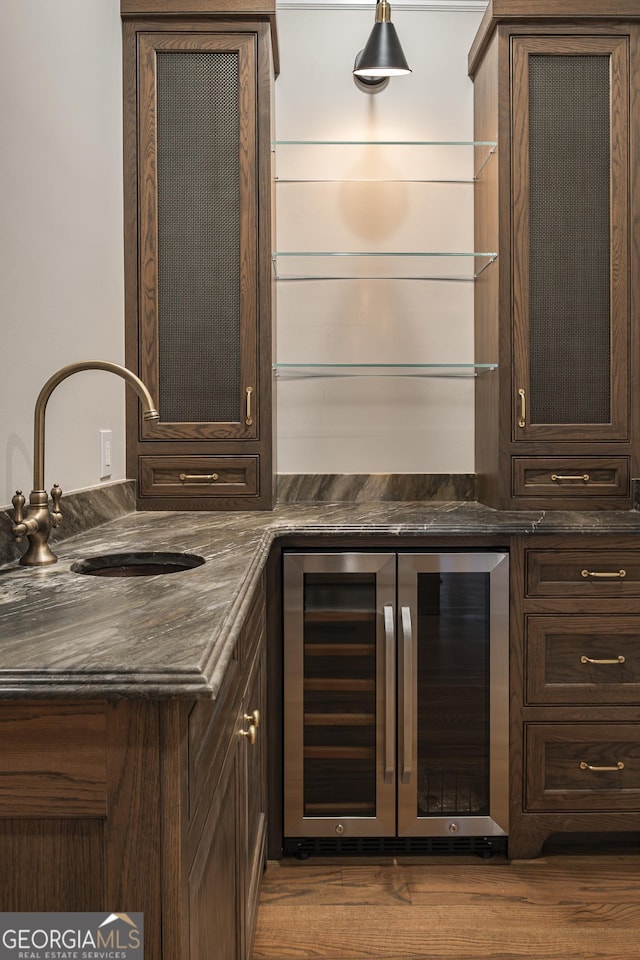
x: 39, y: 520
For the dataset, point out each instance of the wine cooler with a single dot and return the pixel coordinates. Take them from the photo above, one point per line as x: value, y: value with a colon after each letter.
x: 395, y: 697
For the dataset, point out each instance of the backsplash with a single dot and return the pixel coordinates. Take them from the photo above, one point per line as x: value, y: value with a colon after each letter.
x: 89, y: 508
x: 370, y: 487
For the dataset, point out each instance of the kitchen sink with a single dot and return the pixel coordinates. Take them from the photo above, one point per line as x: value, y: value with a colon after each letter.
x: 137, y: 564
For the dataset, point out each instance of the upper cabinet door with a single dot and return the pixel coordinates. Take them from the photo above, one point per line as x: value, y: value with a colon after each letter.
x: 570, y: 229
x: 197, y: 227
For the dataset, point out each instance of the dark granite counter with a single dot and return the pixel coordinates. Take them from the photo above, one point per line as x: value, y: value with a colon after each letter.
x: 63, y: 634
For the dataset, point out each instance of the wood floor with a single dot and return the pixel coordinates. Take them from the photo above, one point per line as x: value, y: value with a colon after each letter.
x: 573, y: 903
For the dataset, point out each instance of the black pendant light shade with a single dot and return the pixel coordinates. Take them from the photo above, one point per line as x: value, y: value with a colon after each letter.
x: 382, y: 55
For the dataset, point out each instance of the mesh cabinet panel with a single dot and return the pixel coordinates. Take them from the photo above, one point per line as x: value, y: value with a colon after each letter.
x: 198, y: 237
x: 569, y: 130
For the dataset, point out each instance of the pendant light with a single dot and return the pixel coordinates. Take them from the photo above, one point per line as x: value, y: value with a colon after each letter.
x: 382, y: 56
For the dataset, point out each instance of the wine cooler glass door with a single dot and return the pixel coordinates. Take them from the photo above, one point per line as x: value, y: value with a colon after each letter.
x: 453, y: 705
x: 339, y: 711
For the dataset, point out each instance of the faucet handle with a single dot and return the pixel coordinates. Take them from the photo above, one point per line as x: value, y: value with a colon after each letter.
x: 56, y: 495
x: 18, y: 502
x: 21, y: 525
x: 18, y: 529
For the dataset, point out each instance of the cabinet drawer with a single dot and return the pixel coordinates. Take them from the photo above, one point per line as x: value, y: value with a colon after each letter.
x: 570, y: 477
x: 198, y: 476
x: 581, y: 659
x: 588, y: 572
x: 587, y: 767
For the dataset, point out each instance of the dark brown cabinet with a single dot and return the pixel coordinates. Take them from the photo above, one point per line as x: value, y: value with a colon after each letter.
x: 197, y: 95
x: 559, y: 200
x: 575, y: 682
x: 224, y: 876
x: 156, y: 807
x: 255, y: 794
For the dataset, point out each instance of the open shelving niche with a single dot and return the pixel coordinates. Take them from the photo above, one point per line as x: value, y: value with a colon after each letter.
x: 345, y: 265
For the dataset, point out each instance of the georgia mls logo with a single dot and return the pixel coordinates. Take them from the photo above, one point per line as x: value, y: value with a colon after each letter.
x: 71, y: 936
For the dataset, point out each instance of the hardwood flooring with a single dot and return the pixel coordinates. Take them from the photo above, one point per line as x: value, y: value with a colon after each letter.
x: 572, y: 903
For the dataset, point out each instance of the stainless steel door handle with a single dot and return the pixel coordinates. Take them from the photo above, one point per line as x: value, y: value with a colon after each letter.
x: 389, y: 704
x: 407, y: 705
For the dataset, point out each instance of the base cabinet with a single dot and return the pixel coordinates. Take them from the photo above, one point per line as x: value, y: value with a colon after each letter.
x: 575, y: 736
x: 137, y: 806
x: 215, y: 878
x: 228, y: 856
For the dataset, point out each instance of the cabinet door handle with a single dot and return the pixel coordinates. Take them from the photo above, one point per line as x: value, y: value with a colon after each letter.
x: 253, y: 717
x: 584, y: 659
x: 522, y: 421
x: 581, y: 478
x: 390, y: 686
x: 251, y: 734
x: 407, y: 706
x: 200, y: 477
x: 596, y: 769
x: 615, y: 575
x: 248, y: 418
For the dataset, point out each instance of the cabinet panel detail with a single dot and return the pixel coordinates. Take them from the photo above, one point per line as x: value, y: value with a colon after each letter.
x: 559, y: 477
x: 51, y: 865
x: 574, y: 659
x: 197, y: 211
x: 584, y: 573
x: 210, y: 725
x: 255, y: 714
x: 53, y: 760
x: 570, y: 215
x: 215, y: 878
x: 587, y: 767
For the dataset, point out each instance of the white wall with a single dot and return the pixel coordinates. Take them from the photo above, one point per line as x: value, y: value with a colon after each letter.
x: 381, y: 425
x: 61, y: 248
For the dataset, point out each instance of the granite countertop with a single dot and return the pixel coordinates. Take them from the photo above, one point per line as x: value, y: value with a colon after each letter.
x: 63, y: 634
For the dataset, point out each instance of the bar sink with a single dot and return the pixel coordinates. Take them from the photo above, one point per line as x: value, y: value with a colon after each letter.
x: 137, y: 564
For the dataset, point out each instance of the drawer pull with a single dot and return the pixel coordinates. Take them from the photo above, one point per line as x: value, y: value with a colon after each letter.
x: 584, y: 659
x: 200, y: 477
x: 589, y: 766
x: 248, y: 419
x: 581, y: 478
x: 616, y: 575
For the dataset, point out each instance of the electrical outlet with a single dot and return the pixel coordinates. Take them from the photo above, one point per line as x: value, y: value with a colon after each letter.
x: 106, y: 448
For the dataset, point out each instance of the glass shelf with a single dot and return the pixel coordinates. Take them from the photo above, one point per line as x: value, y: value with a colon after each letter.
x: 447, y: 161
x: 363, y: 265
x: 307, y: 371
